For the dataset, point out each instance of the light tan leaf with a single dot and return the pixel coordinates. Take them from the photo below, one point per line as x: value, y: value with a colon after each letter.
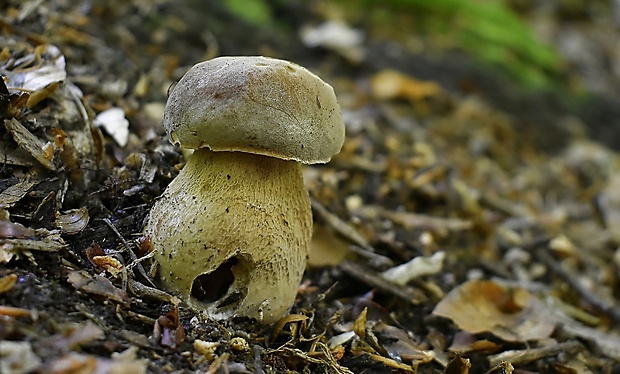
x: 485, y: 306
x: 326, y: 249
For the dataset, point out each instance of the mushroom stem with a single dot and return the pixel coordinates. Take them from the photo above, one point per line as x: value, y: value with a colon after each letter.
x: 236, y: 239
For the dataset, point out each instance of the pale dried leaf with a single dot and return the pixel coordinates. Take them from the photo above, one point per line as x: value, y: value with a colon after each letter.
x: 416, y: 268
x: 115, y: 124
x: 391, y: 84
x: 484, y: 306
x: 75, y: 335
x: 17, y: 358
x: 326, y: 249
x: 73, y: 221
x: 50, y: 70
x: 337, y: 36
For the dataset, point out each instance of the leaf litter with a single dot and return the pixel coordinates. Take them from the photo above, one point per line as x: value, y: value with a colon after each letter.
x: 455, y: 239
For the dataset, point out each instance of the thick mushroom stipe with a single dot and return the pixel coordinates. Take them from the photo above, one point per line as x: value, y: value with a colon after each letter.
x: 232, y: 232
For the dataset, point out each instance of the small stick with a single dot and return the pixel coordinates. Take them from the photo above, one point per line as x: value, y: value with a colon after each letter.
x: 373, y: 280
x: 133, y: 256
x: 605, y: 307
x: 525, y: 356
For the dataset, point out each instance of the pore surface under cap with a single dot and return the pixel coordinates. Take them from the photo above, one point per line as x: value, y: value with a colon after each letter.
x: 257, y: 105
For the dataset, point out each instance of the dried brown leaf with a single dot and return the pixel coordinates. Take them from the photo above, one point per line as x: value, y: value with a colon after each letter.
x: 458, y: 365
x: 168, y: 330
x: 7, y: 283
x: 99, y: 287
x: 28, y: 142
x: 11, y: 247
x: 109, y: 264
x: 465, y: 342
x: 391, y: 84
x: 15, y: 193
x: 12, y: 311
x: 359, y: 326
x: 11, y: 104
x: 326, y: 249
x: 41, y: 94
x: 399, y: 346
x: 287, y: 319
x: 485, y: 306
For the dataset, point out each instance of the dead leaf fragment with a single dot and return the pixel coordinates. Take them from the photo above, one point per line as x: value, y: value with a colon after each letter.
x: 14, y: 230
x: 465, y: 342
x: 41, y: 94
x: 391, y: 84
x: 326, y: 249
x: 338, y: 340
x: 15, y: 193
x: 50, y: 69
x: 109, y: 264
x: 115, y: 124
x: 11, y: 247
x: 29, y: 142
x: 205, y: 348
x: 337, y: 36
x: 168, y: 330
x: 121, y: 363
x: 399, y: 346
x: 99, y: 287
x: 74, y: 335
x: 359, y: 326
x: 17, y: 358
x: 288, y: 319
x: 11, y: 104
x: 7, y: 283
x: 484, y: 306
x: 416, y: 268
x: 73, y: 221
x: 12, y: 311
x: 458, y: 365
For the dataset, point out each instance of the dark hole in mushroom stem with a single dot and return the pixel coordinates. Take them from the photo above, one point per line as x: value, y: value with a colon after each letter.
x: 233, y: 298
x: 211, y: 287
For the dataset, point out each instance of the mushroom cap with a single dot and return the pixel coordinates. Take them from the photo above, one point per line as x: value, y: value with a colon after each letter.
x: 256, y: 105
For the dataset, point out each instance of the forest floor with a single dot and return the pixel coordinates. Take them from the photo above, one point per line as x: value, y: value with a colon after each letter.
x: 470, y: 224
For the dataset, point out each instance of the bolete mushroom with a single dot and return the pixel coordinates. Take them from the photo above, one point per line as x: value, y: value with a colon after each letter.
x: 231, y: 232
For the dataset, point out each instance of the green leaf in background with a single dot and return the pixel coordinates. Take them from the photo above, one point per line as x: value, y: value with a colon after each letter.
x: 488, y: 29
x: 251, y: 11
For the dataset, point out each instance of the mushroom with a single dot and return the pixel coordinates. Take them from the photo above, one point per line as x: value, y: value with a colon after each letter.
x: 231, y: 232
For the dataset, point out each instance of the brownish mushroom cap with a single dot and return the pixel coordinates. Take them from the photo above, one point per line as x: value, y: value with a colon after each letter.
x: 257, y: 105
